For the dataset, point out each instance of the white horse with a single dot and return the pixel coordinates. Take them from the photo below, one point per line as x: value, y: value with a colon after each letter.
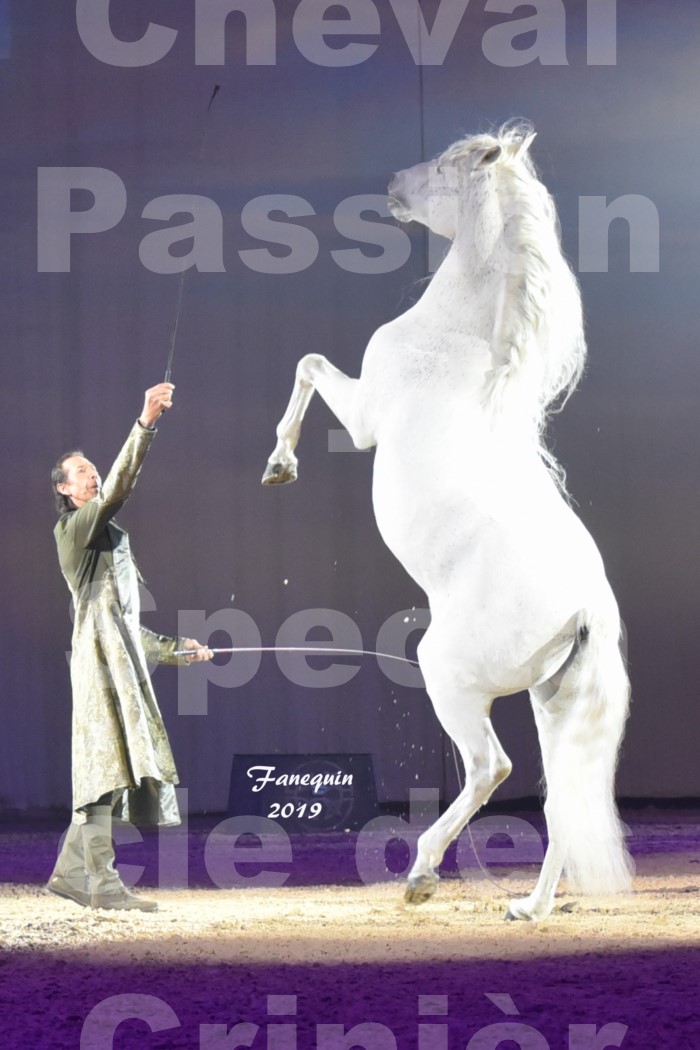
x: 454, y: 394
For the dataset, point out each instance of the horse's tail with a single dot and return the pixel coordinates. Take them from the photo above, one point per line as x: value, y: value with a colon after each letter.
x: 581, y: 736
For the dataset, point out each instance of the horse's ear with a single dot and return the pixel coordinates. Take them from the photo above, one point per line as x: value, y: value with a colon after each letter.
x: 488, y: 157
x: 521, y: 148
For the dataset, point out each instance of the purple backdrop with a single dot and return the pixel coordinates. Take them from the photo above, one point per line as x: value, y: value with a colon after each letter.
x: 79, y: 347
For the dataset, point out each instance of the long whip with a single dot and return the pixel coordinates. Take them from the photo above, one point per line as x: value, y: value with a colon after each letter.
x: 181, y: 288
x: 300, y: 649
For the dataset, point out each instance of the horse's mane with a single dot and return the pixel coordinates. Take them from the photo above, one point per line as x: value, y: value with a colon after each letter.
x: 538, y: 345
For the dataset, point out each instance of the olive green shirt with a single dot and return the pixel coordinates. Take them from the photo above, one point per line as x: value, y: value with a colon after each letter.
x: 119, y: 742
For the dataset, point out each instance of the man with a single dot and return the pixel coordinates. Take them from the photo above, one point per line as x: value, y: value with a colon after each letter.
x: 121, y: 759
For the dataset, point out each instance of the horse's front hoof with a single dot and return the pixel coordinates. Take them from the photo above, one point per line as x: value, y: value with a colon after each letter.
x: 279, y: 474
x: 421, y: 888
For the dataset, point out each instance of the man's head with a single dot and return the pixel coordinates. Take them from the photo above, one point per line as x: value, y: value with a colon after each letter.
x: 75, y: 481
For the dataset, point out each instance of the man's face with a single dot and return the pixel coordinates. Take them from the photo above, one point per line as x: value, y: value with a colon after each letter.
x: 82, y: 480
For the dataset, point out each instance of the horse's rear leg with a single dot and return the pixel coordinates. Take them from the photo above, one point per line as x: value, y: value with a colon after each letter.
x: 486, y: 766
x: 580, y: 715
x: 540, y: 902
x: 464, y: 714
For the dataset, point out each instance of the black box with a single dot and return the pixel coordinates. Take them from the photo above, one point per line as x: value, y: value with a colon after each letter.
x: 305, y: 792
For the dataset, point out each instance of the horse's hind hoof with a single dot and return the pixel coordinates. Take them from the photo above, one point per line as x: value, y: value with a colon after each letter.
x: 420, y: 889
x: 279, y: 474
x: 521, y: 911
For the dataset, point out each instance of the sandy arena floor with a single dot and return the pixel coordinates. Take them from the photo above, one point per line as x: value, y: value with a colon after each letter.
x: 356, y: 955
x: 363, y: 924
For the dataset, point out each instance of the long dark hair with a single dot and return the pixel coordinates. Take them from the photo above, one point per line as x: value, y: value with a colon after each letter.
x: 59, y: 477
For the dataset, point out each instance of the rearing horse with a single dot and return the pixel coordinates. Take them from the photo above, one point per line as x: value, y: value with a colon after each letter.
x: 454, y: 393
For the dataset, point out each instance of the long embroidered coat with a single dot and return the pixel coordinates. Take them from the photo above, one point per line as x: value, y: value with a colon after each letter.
x: 119, y: 740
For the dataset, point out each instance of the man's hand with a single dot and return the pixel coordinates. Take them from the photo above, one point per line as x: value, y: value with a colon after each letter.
x: 157, y: 400
x: 201, y: 652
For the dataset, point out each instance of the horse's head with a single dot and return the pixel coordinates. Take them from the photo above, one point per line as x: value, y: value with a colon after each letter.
x: 435, y: 192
